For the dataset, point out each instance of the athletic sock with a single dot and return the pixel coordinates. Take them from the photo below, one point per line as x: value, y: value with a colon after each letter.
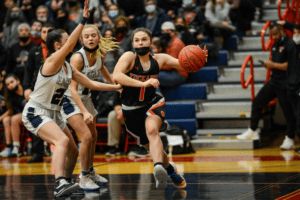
x: 85, y: 172
x: 69, y: 180
x: 170, y: 169
x: 159, y: 163
x: 57, y: 180
x: 91, y: 168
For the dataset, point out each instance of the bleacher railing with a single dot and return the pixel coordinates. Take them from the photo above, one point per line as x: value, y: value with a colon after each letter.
x: 250, y: 77
x: 291, y: 13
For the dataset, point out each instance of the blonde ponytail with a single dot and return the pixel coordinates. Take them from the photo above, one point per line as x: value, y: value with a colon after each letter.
x: 105, y: 44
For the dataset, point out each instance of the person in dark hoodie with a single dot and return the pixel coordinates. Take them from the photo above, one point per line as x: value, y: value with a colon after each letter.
x: 154, y: 18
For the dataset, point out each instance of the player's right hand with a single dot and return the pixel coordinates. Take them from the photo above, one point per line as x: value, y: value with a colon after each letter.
x: 152, y: 82
x: 88, y: 118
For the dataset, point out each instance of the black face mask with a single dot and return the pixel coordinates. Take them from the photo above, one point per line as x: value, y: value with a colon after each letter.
x: 72, y: 3
x: 121, y: 30
x: 15, y: 89
x: 179, y: 28
x: 142, y: 50
x: 43, y: 41
x: 90, y: 50
x: 62, y: 20
x: 166, y: 37
x: 24, y: 39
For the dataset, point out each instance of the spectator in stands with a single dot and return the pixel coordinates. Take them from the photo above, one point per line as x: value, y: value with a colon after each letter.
x: 123, y: 33
x: 154, y: 18
x: 169, y: 77
x: 53, y: 7
x: 28, y: 10
x: 63, y: 22
x: 6, y: 5
x: 19, y: 53
x: 194, y: 18
x: 170, y: 6
x: 42, y: 14
x: 157, y: 47
x: 111, y: 56
x: 14, y: 17
x: 217, y: 13
x: 114, y: 128
x: 282, y: 63
x: 36, y: 58
x: 4, y: 113
x: 132, y: 8
x: 3, y: 57
x: 75, y: 10
x: 242, y: 13
x: 15, y: 102
x: 183, y: 33
x: 35, y: 33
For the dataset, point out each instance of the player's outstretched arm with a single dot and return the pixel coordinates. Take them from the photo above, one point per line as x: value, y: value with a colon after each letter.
x: 53, y: 63
x: 123, y: 66
x: 165, y: 59
x: 93, y: 85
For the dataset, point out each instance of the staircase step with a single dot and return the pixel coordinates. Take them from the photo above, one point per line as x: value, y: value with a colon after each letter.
x: 219, y: 123
x: 252, y: 43
x: 239, y: 57
x: 224, y: 131
x: 234, y: 74
x: 271, y: 15
x: 227, y: 143
x: 227, y: 92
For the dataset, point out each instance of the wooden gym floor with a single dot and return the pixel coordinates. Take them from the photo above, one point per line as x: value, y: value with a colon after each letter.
x: 262, y: 174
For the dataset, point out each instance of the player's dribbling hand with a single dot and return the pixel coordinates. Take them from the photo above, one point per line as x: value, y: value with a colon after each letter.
x: 206, y: 53
x: 88, y: 118
x: 86, y: 10
x: 151, y: 82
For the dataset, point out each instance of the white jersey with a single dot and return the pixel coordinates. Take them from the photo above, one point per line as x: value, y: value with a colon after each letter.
x: 49, y: 90
x: 92, y: 73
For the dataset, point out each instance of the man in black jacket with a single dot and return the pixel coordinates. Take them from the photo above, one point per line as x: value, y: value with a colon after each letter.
x: 36, y: 58
x: 284, y: 60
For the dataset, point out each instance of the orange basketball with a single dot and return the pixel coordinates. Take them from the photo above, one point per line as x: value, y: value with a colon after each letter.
x: 192, y: 58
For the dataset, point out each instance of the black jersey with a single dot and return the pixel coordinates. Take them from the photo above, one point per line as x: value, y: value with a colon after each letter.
x: 137, y: 96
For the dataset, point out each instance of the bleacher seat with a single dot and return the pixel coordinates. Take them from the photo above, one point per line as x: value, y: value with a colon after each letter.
x: 205, y: 75
x: 221, y: 61
x: 185, y: 92
x: 182, y: 114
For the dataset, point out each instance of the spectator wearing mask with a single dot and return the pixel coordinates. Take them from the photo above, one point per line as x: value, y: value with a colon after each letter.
x: 194, y: 18
x: 42, y: 14
x: 36, y: 58
x: 75, y: 10
x: 284, y: 62
x: 217, y: 13
x: 169, y: 77
x: 183, y: 33
x: 153, y: 19
x: 6, y: 5
x: 15, y: 102
x: 14, y: 17
x: 35, y: 33
x: 19, y: 53
x: 28, y: 10
x: 123, y: 34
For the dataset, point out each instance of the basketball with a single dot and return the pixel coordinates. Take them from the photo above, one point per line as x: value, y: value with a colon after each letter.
x: 192, y: 58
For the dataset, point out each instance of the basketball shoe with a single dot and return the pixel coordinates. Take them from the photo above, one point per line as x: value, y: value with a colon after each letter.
x: 177, y: 179
x: 287, y: 144
x: 87, y: 184
x: 248, y: 135
x: 63, y: 187
x: 97, y: 178
x: 161, y: 177
x: 6, y: 152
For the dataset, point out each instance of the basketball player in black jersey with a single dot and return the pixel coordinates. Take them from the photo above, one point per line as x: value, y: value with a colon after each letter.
x: 144, y: 110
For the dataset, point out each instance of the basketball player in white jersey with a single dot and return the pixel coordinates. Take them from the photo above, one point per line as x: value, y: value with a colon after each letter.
x: 78, y: 107
x: 41, y: 115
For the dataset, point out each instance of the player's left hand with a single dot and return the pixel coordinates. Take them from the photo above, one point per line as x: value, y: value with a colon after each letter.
x: 88, y: 118
x: 86, y: 10
x: 206, y: 53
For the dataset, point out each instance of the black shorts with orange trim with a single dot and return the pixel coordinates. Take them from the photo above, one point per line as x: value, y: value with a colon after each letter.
x: 135, y: 118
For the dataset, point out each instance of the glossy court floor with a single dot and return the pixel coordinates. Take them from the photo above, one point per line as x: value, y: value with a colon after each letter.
x: 261, y: 174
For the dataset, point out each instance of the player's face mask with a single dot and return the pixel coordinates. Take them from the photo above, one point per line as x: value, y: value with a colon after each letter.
x: 90, y: 50
x: 142, y: 50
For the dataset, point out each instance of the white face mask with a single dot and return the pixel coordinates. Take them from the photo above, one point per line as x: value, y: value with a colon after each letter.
x: 43, y: 19
x: 187, y: 3
x: 296, y: 39
x: 113, y: 13
x: 150, y: 8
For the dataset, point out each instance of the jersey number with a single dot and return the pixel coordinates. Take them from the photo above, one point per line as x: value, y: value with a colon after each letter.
x: 57, y: 97
x: 142, y: 94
